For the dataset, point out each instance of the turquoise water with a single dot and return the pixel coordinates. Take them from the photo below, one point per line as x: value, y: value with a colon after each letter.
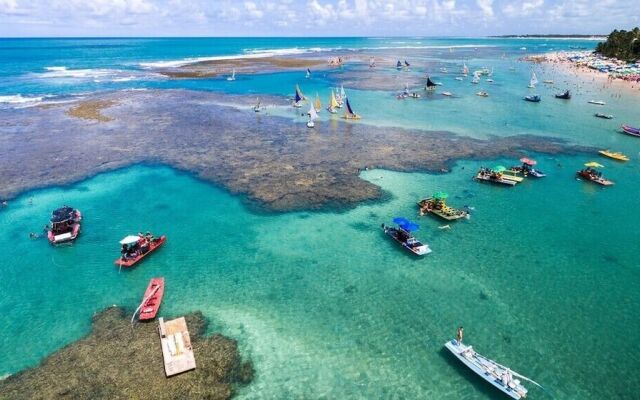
x: 544, y: 276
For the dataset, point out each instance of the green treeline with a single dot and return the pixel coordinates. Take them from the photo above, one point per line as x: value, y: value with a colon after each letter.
x: 623, y: 45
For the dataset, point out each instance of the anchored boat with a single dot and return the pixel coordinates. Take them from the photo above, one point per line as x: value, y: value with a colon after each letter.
x: 534, y: 98
x: 566, y: 95
x: 495, y: 175
x: 499, y: 376
x: 137, y: 247
x: 526, y: 169
x: 603, y: 116
x: 436, y: 205
x: 593, y: 175
x: 630, y: 130
x: 615, y: 155
x: 151, y: 300
x: 65, y: 225
x: 402, y: 235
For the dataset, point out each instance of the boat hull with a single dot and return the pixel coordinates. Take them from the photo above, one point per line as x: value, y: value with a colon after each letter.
x: 130, y: 262
x: 390, y: 231
x: 152, y: 299
x: 629, y: 130
x: 66, y: 237
x: 504, y: 182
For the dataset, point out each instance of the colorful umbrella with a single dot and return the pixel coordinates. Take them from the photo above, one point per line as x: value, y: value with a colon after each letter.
x: 499, y: 168
x: 440, y: 195
x: 528, y: 161
x: 594, y: 164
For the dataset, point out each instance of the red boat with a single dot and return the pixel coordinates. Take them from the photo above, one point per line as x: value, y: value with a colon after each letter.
x: 593, y: 176
x: 137, y: 247
x: 151, y: 300
x: 65, y: 225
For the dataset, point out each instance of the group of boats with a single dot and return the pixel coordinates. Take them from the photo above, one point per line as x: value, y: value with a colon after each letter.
x: 337, y: 100
x: 509, y: 176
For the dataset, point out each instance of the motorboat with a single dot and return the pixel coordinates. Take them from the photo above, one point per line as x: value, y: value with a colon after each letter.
x: 603, y: 116
x: 593, y: 175
x: 447, y: 94
x: 65, y: 225
x: 402, y: 235
x: 534, y: 98
x: 137, y: 247
x: 566, y: 95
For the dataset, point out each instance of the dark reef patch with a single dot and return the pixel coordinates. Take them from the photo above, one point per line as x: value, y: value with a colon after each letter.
x: 117, y: 362
x: 278, y: 164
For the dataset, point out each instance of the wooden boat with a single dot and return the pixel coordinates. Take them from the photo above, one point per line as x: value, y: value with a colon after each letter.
x: 630, y: 130
x: 402, y: 235
x: 348, y: 112
x: 438, y: 207
x: 151, y: 300
x: 488, y: 175
x: 615, y: 155
x: 566, y: 95
x: 603, y: 116
x: 497, y: 375
x: 534, y: 98
x: 137, y: 247
x: 593, y: 176
x: 65, y: 225
x: 597, y: 102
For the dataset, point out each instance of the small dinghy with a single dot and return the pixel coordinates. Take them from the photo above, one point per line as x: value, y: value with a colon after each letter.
x: 534, y: 98
x: 597, y: 102
x: 566, y: 95
x: 499, y: 376
x: 630, y: 130
x: 137, y: 247
x: 603, y: 116
x: 402, y: 235
x: 482, y: 94
x: 151, y: 300
x: 65, y: 225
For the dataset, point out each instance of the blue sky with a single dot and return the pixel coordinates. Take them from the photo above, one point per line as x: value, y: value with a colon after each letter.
x: 313, y: 17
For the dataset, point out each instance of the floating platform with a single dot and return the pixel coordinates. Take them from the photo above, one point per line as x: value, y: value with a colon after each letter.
x: 445, y: 212
x: 176, y: 346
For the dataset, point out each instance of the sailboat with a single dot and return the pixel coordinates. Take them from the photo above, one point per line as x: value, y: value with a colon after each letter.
x: 399, y: 65
x: 465, y: 69
x: 430, y: 84
x: 299, y: 98
x: 372, y: 62
x: 233, y: 75
x: 308, y: 73
x: 256, y: 108
x: 313, y: 115
x: 333, y: 103
x: 341, y: 97
x: 476, y: 78
x: 406, y: 64
x: 317, y: 105
x: 348, y: 113
x: 533, y: 81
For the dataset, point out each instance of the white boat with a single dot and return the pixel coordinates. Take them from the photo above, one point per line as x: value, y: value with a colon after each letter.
x: 443, y: 70
x: 233, y: 75
x: 313, y: 115
x: 497, y: 375
x: 482, y: 94
x: 597, y: 102
x: 447, y: 94
x: 548, y: 81
x: 459, y: 78
x: 476, y: 78
x: 533, y: 81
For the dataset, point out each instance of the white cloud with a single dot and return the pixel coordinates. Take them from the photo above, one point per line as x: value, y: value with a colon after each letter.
x: 252, y: 10
x: 522, y: 9
x: 486, y: 6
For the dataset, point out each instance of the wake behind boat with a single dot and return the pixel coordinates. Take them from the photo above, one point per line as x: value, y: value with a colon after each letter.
x: 499, y: 376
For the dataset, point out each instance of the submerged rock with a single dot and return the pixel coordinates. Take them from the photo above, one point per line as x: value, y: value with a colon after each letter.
x: 116, y: 361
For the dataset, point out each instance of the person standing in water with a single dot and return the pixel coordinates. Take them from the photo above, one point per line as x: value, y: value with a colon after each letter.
x: 460, y: 335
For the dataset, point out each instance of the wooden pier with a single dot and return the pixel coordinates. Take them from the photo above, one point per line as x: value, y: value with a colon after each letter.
x: 176, y: 346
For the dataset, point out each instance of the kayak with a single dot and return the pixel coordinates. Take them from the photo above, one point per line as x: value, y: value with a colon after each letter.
x: 152, y: 299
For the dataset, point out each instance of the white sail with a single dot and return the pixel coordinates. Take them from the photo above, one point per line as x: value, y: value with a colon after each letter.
x: 312, y: 113
x: 343, y: 95
x: 465, y: 69
x: 534, y: 79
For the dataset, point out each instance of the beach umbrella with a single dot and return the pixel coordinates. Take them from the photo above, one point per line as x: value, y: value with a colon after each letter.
x: 594, y: 164
x: 528, y: 161
x: 440, y: 195
x: 499, y: 168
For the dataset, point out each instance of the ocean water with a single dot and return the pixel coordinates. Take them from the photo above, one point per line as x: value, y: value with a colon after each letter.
x: 544, y: 276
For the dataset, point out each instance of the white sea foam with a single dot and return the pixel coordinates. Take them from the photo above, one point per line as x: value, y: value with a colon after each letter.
x: 93, y: 74
x: 19, y: 99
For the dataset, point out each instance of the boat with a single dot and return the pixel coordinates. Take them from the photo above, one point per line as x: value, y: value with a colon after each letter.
x: 443, y: 70
x: 459, y: 78
x: 603, y: 116
x: 233, y: 75
x: 333, y: 103
x: 591, y: 174
x: 308, y: 75
x: 349, y: 114
x: 430, y: 84
x: 297, y: 102
x: 317, y: 104
x: 65, y: 225
x: 151, y: 300
x: 313, y: 115
x: 465, y: 69
x: 398, y: 65
x: 447, y: 94
x: 630, y: 130
x: 402, y: 235
x: 512, y: 175
x: 372, y: 62
x: 534, y: 98
x: 548, y: 81
x: 436, y: 205
x: 258, y: 105
x: 497, y: 375
x: 342, y: 97
x: 137, y: 247
x: 494, y: 175
x: 482, y: 94
x: 533, y: 81
x: 614, y: 154
x: 597, y: 102
x: 406, y: 64
x: 476, y: 78
x: 526, y: 168
x: 489, y: 80
x: 566, y: 95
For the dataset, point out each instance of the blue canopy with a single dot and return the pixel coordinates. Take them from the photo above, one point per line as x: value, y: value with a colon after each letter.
x: 406, y: 224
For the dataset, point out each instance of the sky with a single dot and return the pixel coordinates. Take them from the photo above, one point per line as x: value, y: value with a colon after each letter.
x: 43, y: 18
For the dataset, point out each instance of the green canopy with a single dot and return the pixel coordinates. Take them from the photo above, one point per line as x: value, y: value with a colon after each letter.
x: 440, y: 195
x: 499, y: 168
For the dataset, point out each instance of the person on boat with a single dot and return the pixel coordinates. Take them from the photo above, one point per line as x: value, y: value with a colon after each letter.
x: 460, y: 335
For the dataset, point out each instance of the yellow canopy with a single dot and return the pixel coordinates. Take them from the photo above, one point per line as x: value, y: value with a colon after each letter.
x: 594, y: 164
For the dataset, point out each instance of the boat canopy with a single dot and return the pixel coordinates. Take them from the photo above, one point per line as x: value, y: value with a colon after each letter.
x: 406, y: 224
x: 528, y: 161
x: 131, y: 239
x: 593, y: 164
x: 62, y: 214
